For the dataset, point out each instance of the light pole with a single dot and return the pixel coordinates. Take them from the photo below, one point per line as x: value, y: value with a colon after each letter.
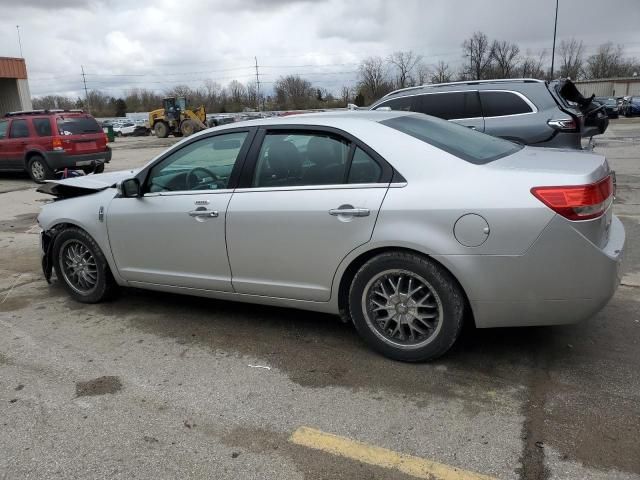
x: 553, y: 50
x: 19, y: 41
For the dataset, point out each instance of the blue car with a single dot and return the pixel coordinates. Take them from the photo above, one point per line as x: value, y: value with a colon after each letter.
x: 632, y: 107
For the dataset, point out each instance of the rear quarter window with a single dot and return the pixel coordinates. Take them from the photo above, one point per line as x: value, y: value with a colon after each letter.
x: 498, y: 104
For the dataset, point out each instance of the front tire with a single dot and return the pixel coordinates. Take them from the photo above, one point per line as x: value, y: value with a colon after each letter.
x: 161, y: 129
x: 38, y: 169
x: 82, y: 267
x: 406, y: 307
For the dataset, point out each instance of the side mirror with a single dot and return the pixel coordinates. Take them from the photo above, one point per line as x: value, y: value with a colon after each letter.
x: 130, y: 188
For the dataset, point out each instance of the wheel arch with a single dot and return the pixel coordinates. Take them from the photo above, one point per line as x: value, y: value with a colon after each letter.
x: 29, y: 154
x: 348, y: 273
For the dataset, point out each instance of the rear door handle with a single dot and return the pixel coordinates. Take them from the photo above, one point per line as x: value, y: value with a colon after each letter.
x: 353, y: 212
x: 203, y: 213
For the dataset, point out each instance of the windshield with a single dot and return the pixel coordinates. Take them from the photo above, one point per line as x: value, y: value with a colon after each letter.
x: 463, y: 142
x: 77, y: 125
x: 635, y: 99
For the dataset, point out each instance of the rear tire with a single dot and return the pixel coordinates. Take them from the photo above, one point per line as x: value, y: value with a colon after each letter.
x: 161, y: 129
x: 38, y: 169
x: 82, y: 267
x: 406, y: 307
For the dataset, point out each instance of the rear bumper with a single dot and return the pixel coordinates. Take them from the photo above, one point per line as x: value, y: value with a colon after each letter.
x: 563, y: 278
x: 59, y: 160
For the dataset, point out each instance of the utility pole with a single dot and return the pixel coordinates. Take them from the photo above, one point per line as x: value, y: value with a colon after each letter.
x: 86, y: 94
x: 257, y: 84
x: 553, y: 50
x: 19, y: 40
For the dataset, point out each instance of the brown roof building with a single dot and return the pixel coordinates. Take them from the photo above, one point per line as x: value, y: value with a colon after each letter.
x: 14, y: 86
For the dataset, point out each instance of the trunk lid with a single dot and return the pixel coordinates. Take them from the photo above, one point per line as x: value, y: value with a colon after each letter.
x: 591, y: 116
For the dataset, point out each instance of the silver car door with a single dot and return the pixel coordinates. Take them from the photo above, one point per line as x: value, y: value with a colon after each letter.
x: 313, y: 198
x: 175, y: 233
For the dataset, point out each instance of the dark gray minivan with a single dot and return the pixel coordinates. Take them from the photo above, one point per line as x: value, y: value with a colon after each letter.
x: 528, y: 111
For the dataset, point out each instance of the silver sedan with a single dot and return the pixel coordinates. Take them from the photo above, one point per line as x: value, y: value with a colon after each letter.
x: 404, y: 224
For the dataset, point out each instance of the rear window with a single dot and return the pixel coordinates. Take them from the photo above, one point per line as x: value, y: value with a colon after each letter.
x: 77, y: 125
x: 42, y: 127
x: 498, y: 104
x: 464, y: 143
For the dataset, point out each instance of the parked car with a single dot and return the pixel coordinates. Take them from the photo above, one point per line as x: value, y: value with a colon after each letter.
x: 402, y: 222
x: 527, y: 111
x: 43, y: 142
x: 610, y: 105
x: 631, y: 106
x: 124, y: 128
x: 217, y: 120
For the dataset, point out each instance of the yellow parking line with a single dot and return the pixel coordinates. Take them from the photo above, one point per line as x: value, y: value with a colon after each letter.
x: 381, y: 457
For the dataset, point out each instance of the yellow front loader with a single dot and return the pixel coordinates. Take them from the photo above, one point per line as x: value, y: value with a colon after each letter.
x: 175, y: 118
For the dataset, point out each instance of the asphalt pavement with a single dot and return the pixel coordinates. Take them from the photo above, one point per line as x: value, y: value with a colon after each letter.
x: 153, y: 385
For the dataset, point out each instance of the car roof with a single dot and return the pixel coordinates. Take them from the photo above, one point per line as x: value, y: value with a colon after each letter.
x: 330, y: 119
x: 29, y: 113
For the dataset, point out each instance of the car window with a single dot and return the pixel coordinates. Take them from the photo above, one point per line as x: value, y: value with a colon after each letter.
x: 19, y: 129
x: 42, y: 127
x: 402, y: 103
x: 464, y: 143
x: 77, y: 125
x: 449, y: 106
x: 364, y: 169
x: 292, y: 159
x: 3, y: 128
x: 497, y: 104
x: 202, y: 165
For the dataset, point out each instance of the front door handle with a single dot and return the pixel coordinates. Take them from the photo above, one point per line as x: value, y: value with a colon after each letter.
x: 203, y: 213
x: 350, y: 211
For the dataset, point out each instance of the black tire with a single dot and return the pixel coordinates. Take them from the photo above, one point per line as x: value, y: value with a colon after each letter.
x: 38, y: 169
x: 98, y: 169
x: 161, y: 129
x: 448, y: 302
x: 104, y: 287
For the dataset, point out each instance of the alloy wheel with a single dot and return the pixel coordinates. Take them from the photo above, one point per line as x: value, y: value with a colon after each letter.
x: 402, y: 308
x: 78, y: 266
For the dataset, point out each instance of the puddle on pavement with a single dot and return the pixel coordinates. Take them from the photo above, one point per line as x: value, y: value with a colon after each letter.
x: 98, y: 386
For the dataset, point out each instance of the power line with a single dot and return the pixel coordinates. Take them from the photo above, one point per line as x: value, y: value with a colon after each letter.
x: 86, y: 95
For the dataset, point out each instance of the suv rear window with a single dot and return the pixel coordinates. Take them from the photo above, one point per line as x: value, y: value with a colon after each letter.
x: 464, y: 143
x: 498, y: 104
x: 77, y: 125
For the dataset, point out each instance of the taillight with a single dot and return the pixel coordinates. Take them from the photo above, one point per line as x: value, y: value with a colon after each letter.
x: 56, y: 143
x: 565, y: 124
x: 578, y: 202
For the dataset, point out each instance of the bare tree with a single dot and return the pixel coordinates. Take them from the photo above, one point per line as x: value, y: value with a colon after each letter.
x: 293, y: 91
x: 422, y: 74
x: 404, y: 63
x: 607, y: 62
x: 532, y: 66
x: 477, y: 51
x: 373, y: 81
x: 505, y: 55
x: 237, y: 92
x: 571, y: 55
x: 346, y: 95
x: 441, y: 73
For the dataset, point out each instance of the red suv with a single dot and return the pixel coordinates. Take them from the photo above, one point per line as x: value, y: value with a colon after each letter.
x: 43, y: 142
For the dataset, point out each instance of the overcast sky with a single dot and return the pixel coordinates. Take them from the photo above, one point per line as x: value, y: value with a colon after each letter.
x: 161, y: 43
